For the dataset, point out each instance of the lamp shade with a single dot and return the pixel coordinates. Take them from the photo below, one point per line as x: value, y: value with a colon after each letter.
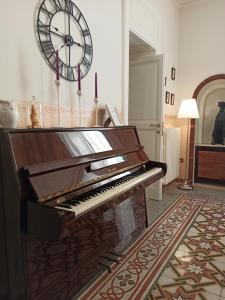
x: 188, y: 109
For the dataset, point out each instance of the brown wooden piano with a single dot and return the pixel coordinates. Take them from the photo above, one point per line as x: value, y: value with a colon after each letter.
x: 71, y: 201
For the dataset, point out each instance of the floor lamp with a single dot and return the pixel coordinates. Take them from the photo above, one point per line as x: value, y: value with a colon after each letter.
x: 188, y: 110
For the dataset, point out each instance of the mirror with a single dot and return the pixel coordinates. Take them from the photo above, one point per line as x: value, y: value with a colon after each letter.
x: 208, y: 93
x: 208, y: 100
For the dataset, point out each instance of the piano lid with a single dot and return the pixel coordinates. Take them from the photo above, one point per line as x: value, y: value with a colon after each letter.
x: 39, y: 146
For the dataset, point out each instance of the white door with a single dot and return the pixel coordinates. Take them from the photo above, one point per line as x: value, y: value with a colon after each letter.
x: 146, y: 94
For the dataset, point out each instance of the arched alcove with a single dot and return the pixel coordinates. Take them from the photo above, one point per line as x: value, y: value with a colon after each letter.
x: 208, y: 94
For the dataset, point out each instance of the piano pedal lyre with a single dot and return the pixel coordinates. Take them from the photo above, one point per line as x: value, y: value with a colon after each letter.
x: 112, y: 259
x: 118, y: 255
x: 106, y: 265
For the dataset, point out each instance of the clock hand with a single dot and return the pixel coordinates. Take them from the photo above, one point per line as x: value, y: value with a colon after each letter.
x: 78, y: 44
x: 56, y: 29
x: 60, y: 35
x: 62, y: 46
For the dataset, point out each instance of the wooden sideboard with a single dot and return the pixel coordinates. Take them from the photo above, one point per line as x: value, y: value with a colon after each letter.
x: 209, y: 166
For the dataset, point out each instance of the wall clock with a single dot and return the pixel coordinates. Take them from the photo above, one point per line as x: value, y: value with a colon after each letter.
x: 61, y: 26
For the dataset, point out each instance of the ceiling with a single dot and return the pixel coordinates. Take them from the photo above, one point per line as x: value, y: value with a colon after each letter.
x: 184, y: 2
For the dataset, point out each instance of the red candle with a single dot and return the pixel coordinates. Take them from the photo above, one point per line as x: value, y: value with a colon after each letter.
x: 57, y: 65
x: 96, y: 85
x: 79, y: 81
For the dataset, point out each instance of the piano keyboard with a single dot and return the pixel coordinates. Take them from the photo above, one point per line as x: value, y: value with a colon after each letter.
x: 107, y: 193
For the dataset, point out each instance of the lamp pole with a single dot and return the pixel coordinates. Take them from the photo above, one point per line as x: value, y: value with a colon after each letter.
x: 188, y: 110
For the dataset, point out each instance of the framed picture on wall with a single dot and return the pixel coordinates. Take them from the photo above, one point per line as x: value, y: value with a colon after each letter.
x: 114, y: 115
x: 167, y: 97
x: 165, y: 81
x: 172, y: 97
x: 173, y: 73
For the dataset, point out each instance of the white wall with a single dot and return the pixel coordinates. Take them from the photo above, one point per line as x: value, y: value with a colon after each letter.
x: 157, y: 23
x: 167, y: 12
x: 24, y: 72
x: 202, y: 44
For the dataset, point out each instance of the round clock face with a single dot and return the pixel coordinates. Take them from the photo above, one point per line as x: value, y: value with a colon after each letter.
x: 61, y: 26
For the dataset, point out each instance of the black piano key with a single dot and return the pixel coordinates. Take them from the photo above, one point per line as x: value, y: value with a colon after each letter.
x: 64, y: 205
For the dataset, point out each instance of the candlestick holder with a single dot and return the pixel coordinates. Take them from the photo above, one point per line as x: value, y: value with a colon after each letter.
x: 96, y: 111
x: 57, y: 83
x: 79, y: 93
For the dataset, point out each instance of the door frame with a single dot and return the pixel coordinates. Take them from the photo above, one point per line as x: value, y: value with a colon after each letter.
x: 125, y: 60
x: 126, y: 30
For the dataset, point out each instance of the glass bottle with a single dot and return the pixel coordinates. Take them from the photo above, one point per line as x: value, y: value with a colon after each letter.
x: 35, y: 119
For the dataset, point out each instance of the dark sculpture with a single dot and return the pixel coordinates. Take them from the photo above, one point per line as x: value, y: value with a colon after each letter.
x: 218, y: 134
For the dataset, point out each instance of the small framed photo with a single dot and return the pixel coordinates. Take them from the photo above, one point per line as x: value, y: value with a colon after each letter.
x: 165, y: 81
x: 114, y: 115
x: 172, y: 97
x: 173, y: 73
x: 167, y: 97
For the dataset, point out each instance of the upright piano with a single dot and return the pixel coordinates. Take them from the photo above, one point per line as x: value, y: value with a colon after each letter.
x: 72, y: 200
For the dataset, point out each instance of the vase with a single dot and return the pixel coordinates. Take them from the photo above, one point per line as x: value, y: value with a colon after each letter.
x: 9, y: 115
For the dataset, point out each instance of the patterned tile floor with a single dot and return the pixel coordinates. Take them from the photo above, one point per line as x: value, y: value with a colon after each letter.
x: 194, y: 267
x: 196, y: 270
x: 170, y: 193
x: 146, y: 257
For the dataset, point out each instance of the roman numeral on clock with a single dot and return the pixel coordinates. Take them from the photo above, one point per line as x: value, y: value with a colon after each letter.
x: 89, y: 49
x: 53, y: 62
x: 69, y: 6
x: 61, y: 69
x: 43, y: 29
x: 56, y: 4
x: 86, y: 32
x: 86, y: 63
x: 78, y: 16
x: 46, y: 11
x: 48, y: 48
x: 70, y: 73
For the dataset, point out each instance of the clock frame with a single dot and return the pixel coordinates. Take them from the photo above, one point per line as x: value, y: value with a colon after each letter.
x: 61, y: 26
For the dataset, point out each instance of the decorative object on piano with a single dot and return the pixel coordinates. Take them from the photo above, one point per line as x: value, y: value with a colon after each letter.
x: 113, y: 116
x: 79, y: 92
x: 9, y: 114
x: 61, y: 25
x: 218, y: 134
x: 167, y: 97
x: 173, y: 73
x: 35, y: 114
x: 188, y: 110
x: 172, y: 97
x: 96, y: 99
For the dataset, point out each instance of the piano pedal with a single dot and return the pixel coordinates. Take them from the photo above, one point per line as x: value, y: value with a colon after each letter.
x: 107, y: 266
x: 117, y: 254
x: 110, y: 258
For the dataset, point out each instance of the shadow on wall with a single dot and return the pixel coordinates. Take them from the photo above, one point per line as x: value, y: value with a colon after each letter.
x: 69, y: 116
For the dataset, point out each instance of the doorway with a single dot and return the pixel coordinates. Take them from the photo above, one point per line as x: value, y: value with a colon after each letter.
x: 146, y: 90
